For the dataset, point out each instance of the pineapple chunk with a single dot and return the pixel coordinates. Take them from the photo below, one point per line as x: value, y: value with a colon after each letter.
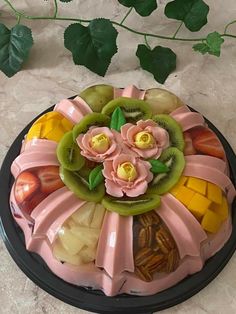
x: 214, y: 193
x: 87, y: 254
x: 71, y: 243
x: 98, y: 216
x: 88, y: 236
x: 63, y: 256
x: 184, y: 195
x: 66, y: 124
x: 197, y: 185
x: 211, y: 222
x: 84, y: 215
x: 199, y: 205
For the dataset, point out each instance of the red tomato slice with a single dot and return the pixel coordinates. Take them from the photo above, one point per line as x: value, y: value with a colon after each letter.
x: 26, y: 184
x: 50, y: 179
x: 205, y: 141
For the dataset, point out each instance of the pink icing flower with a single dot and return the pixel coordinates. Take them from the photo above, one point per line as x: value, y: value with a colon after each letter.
x: 145, y: 138
x: 99, y: 143
x: 127, y: 175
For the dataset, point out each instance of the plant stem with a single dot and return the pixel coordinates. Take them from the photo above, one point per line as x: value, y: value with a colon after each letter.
x: 55, y: 8
x: 146, y: 42
x: 227, y: 26
x: 64, y: 18
x: 177, y: 30
x: 125, y: 17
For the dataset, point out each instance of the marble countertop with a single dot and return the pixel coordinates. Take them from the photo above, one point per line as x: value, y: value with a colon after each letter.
x: 204, y: 82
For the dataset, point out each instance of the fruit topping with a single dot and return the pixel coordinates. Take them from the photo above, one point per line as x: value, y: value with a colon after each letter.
x: 68, y: 153
x: 163, y: 182
x: 25, y: 186
x: 133, y: 109
x: 203, y: 199
x: 50, y: 179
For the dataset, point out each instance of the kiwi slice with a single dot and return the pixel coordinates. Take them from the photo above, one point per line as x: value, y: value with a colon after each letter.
x: 173, y: 128
x: 91, y: 119
x: 68, y: 153
x: 133, y: 109
x: 127, y: 206
x: 173, y: 158
x: 80, y: 187
x: 97, y: 96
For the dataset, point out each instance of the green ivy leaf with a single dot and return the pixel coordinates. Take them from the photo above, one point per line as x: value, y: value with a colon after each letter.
x: 160, y: 61
x: 211, y: 45
x: 158, y: 166
x: 92, y: 46
x: 117, y: 119
x: 95, y: 177
x: 142, y: 7
x: 15, y: 45
x: 192, y: 12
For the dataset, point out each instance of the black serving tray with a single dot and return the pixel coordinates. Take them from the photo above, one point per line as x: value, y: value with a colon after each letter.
x: 36, y: 269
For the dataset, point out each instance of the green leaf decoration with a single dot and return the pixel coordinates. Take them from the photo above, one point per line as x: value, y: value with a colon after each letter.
x: 95, y: 177
x: 158, y: 166
x: 192, y: 12
x: 15, y: 45
x: 66, y: 1
x: 142, y: 7
x: 160, y: 61
x: 117, y: 119
x: 92, y: 46
x: 211, y: 45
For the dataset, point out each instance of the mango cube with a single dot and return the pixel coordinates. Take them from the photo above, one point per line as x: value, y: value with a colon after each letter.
x: 198, y: 185
x: 221, y: 210
x: 184, y: 195
x: 214, y: 193
x: 181, y: 182
x: 199, y: 205
x: 211, y: 222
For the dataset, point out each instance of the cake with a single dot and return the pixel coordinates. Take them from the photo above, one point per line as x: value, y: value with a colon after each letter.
x: 122, y: 190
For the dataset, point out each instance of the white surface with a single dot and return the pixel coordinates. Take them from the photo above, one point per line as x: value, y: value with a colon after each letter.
x: 206, y: 83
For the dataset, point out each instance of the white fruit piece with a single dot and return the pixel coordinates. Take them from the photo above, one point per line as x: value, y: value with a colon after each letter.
x: 162, y: 101
x: 98, y: 216
x: 87, y: 254
x: 70, y: 223
x: 88, y: 236
x: 70, y: 241
x: 84, y: 215
x: 63, y: 256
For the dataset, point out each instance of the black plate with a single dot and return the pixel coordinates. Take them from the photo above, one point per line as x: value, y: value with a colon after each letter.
x: 36, y: 269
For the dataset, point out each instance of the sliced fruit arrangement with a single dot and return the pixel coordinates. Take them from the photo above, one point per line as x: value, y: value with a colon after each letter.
x: 173, y: 158
x: 77, y: 239
x: 97, y: 96
x: 155, y: 250
x: 133, y: 109
x: 204, y: 200
x: 51, y: 126
x: 34, y: 185
x: 205, y: 141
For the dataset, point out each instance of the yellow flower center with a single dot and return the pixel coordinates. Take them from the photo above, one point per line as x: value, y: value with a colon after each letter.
x: 100, y: 143
x: 144, y: 140
x: 127, y: 171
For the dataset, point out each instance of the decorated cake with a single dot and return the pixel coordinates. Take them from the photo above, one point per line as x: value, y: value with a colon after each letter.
x: 122, y: 190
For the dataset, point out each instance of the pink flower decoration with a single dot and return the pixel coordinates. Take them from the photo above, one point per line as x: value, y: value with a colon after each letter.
x: 110, y: 147
x: 158, y: 138
x: 116, y: 186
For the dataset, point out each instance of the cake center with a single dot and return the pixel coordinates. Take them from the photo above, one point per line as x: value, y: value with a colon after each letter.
x: 144, y: 140
x: 127, y: 171
x: 100, y: 143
